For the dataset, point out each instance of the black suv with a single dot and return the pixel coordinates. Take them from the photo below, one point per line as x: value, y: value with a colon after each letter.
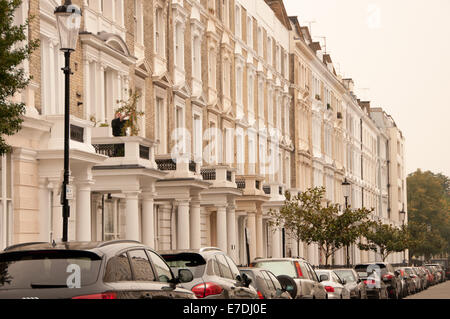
x: 388, y: 275
x: 216, y: 276
x: 88, y: 270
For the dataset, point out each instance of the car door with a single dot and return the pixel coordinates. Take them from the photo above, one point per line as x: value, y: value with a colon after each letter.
x: 278, y: 293
x: 119, y: 278
x: 315, y: 290
x: 165, y: 277
x: 144, y: 277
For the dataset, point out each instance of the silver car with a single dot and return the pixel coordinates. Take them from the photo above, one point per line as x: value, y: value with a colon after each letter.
x: 334, y: 285
x: 307, y: 283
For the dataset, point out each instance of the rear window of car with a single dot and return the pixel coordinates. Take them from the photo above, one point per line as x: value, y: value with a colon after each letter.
x: 278, y: 268
x: 194, y: 262
x: 362, y: 269
x: 48, y: 269
x: 348, y: 275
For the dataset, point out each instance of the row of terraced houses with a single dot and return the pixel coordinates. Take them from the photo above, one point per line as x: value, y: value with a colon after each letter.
x: 264, y: 112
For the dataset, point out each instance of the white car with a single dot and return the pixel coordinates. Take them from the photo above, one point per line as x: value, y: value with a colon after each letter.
x: 334, y: 285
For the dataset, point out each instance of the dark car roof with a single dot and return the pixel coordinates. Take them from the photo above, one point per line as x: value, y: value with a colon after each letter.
x: 96, y: 247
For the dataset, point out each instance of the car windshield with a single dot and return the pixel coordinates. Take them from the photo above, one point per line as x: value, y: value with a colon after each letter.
x: 48, y: 269
x: 194, y: 262
x: 278, y: 268
x: 346, y: 274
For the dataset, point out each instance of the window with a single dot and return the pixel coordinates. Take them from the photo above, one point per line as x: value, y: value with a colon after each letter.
x: 261, y: 100
x: 159, y: 33
x: 163, y: 271
x: 250, y: 32
x: 179, y: 46
x: 260, y: 41
x: 212, y: 68
x: 269, y: 51
x: 239, y: 85
x: 226, y: 13
x: 6, y: 196
x: 197, y: 137
x: 224, y: 268
x: 142, y: 269
x: 160, y: 125
x: 139, y: 21
x: 250, y: 85
x: 118, y: 269
x: 196, y: 58
x: 237, y: 17
x: 226, y: 78
x: 234, y: 270
x: 274, y: 280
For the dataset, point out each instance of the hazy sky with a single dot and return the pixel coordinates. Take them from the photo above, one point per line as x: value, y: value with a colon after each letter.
x: 398, y: 54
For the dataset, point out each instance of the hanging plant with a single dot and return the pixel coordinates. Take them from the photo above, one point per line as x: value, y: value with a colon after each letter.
x: 129, y: 108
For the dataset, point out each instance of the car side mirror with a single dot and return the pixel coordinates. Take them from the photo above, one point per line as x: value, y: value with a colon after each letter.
x: 185, y: 275
x: 246, y: 281
x: 343, y: 281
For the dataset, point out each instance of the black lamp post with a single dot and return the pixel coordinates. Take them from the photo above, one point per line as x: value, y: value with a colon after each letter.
x: 68, y: 20
x: 346, y: 190
x: 403, y: 213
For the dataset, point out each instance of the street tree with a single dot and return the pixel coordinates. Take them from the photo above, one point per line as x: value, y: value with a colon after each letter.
x: 307, y: 219
x: 14, y: 49
x: 384, y: 239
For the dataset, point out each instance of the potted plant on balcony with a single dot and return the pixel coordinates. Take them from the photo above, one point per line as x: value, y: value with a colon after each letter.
x: 317, y: 97
x: 130, y: 108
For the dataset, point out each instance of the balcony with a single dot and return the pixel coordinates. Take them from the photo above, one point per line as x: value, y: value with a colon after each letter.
x: 124, y: 150
x: 275, y: 191
x: 178, y: 168
x: 250, y: 184
x: 219, y: 175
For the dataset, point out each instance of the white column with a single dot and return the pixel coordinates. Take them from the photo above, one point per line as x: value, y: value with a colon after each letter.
x: 276, y: 243
x: 231, y: 232
x: 132, y: 216
x: 259, y: 235
x: 221, y: 228
x: 102, y: 116
x: 183, y: 225
x: 83, y: 215
x: 148, y: 227
x: 44, y: 210
x: 57, y: 220
x: 294, y: 247
x: 251, y: 225
x: 195, y: 235
x: 311, y: 253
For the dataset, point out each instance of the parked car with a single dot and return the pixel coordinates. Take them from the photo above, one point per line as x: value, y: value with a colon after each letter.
x: 422, y: 275
x: 354, y: 283
x: 407, y: 283
x: 388, y: 275
x: 414, y: 278
x: 430, y: 277
x: 75, y: 270
x: 216, y: 276
x: 334, y: 285
x: 445, y: 264
x: 265, y: 283
x: 307, y: 283
x: 437, y: 276
x: 441, y: 275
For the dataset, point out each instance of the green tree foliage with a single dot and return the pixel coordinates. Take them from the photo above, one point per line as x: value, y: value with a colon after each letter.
x: 306, y: 219
x: 13, y: 51
x: 385, y: 239
x: 429, y: 213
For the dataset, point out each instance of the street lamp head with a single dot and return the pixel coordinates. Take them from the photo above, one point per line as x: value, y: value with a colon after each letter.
x: 68, y: 20
x: 346, y: 188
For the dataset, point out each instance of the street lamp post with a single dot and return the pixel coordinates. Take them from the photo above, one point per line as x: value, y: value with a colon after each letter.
x: 403, y: 213
x: 68, y: 18
x: 346, y: 189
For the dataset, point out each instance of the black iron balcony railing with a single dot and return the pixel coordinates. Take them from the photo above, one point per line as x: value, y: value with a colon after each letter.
x: 240, y: 184
x: 110, y: 150
x: 77, y: 133
x: 229, y: 176
x: 266, y: 190
x: 208, y: 174
x: 144, y: 152
x: 257, y: 184
x: 280, y: 190
x: 166, y: 164
x: 192, y: 166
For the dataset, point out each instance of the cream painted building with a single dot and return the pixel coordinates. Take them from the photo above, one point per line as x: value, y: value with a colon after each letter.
x: 240, y: 105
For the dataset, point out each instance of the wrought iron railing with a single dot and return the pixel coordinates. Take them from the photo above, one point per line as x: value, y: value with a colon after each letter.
x: 166, y: 164
x: 144, y: 152
x: 266, y: 190
x: 110, y: 150
x: 229, y: 176
x: 240, y: 184
x: 208, y: 174
x: 280, y: 190
x: 192, y: 166
x: 257, y: 184
x: 77, y: 133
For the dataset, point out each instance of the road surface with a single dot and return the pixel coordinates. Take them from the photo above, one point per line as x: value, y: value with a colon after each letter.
x: 440, y: 291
